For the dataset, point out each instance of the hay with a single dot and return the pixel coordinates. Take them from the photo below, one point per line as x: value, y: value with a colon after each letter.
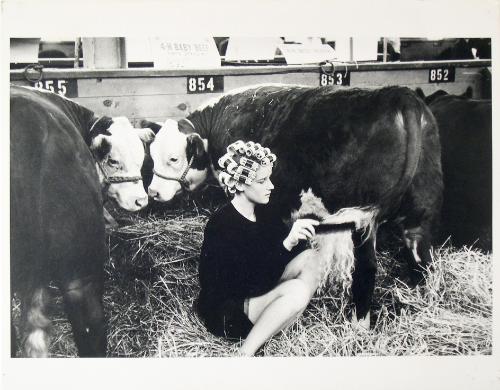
x: 152, y: 283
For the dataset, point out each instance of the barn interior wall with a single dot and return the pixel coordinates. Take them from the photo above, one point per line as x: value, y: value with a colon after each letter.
x: 158, y: 98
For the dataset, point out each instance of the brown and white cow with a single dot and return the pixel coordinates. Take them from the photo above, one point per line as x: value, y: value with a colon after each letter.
x: 118, y: 149
x: 366, y: 156
x: 62, y: 159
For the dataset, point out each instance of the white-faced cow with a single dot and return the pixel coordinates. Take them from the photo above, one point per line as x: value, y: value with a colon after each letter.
x: 63, y: 158
x: 367, y: 155
x: 466, y: 146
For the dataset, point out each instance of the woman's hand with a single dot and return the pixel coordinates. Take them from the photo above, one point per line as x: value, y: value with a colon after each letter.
x: 302, y: 229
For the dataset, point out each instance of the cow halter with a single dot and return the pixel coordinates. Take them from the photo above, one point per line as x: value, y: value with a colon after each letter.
x: 182, y: 180
x: 110, y: 179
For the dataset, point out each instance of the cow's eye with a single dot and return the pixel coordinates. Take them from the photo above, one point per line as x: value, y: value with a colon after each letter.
x: 174, y: 160
x: 112, y: 162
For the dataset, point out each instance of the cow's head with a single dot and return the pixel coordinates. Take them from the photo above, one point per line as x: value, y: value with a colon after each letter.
x: 468, y: 94
x: 119, y: 152
x: 180, y: 161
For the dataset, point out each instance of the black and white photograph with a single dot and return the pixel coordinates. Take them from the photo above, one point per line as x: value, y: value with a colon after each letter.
x: 292, y: 201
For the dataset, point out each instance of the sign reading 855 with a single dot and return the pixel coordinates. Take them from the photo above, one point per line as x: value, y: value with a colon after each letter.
x: 57, y: 86
x: 67, y: 88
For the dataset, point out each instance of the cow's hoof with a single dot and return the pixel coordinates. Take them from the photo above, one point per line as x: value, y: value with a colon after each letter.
x: 417, y: 277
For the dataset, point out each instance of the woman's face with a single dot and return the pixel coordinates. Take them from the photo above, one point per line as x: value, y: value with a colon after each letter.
x: 260, y: 190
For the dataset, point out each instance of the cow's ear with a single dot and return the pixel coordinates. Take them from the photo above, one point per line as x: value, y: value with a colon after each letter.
x: 468, y: 93
x: 186, y: 126
x: 100, y: 147
x: 155, y: 127
x: 196, y: 148
x: 420, y: 93
x: 146, y: 135
x: 100, y: 126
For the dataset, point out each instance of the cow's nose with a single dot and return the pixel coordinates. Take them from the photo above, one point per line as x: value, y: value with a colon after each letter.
x: 142, y: 202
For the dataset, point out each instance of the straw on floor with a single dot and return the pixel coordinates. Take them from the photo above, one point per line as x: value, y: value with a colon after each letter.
x: 152, y: 284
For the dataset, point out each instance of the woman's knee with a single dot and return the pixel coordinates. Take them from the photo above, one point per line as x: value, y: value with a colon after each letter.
x: 298, y: 293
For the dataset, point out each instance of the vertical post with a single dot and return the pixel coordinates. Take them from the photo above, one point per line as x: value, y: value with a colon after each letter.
x: 78, y: 42
x: 104, y: 53
x: 351, y: 48
x: 384, y: 58
x: 122, y: 54
x: 88, y: 48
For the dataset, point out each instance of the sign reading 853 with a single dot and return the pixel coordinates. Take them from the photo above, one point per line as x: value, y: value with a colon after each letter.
x: 336, y: 78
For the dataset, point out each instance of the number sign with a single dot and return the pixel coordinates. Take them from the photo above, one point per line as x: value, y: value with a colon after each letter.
x: 205, y: 84
x: 337, y: 78
x: 67, y: 88
x: 444, y: 74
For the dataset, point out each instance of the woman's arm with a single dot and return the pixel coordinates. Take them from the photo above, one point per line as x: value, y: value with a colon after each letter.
x: 302, y: 230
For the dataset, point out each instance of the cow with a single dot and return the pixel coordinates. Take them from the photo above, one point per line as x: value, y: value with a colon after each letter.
x: 64, y: 158
x: 363, y: 156
x: 466, y: 151
x: 467, y: 49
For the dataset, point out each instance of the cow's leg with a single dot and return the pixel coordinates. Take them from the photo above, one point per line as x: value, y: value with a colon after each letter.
x: 13, y: 340
x: 13, y: 332
x: 363, y: 278
x: 83, y: 302
x: 421, y: 205
x: 417, y: 251
x: 35, y: 322
x: 109, y: 221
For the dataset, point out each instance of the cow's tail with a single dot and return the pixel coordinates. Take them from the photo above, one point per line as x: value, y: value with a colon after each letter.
x: 411, y: 121
x: 335, y: 248
x: 37, y: 324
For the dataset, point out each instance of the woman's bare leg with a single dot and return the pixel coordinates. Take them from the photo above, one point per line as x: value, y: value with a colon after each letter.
x: 273, y: 311
x: 304, y: 266
x: 281, y: 306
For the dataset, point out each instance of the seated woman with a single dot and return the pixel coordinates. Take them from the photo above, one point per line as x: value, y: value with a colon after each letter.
x: 246, y: 291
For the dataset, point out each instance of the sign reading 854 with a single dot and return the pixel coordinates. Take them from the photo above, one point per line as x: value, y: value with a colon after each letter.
x: 205, y: 84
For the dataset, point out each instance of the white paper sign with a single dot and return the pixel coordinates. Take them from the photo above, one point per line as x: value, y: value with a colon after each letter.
x: 364, y: 49
x: 303, y: 40
x: 185, y: 53
x: 251, y: 48
x: 138, y: 49
x: 24, y: 50
x: 343, y: 48
x: 296, y: 54
x: 356, y: 49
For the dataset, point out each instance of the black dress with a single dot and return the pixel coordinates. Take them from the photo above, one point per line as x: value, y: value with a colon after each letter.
x: 239, y: 259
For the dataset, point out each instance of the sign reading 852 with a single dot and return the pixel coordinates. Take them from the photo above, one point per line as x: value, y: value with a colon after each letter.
x: 444, y: 74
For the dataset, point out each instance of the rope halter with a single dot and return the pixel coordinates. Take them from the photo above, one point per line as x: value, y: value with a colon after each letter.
x: 113, y: 179
x: 182, y: 180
